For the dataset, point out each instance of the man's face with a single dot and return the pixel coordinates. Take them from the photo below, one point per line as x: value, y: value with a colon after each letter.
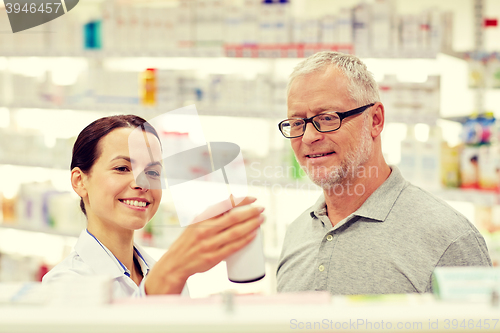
x: 328, y: 158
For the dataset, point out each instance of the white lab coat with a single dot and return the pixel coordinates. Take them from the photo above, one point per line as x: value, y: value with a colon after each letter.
x: 90, y: 257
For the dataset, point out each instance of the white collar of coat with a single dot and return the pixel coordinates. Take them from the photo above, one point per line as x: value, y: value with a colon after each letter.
x: 101, y: 259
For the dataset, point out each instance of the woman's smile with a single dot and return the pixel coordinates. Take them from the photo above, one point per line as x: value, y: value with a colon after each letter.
x: 136, y: 203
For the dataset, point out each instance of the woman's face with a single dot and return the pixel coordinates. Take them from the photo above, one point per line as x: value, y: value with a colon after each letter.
x: 114, y: 197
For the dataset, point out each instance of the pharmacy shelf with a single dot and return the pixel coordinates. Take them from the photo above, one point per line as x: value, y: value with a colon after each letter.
x: 462, y: 119
x: 244, y: 112
x: 398, y: 54
x: 428, y: 119
x: 27, y: 162
x: 44, y: 230
x: 188, y: 53
x: 271, y: 112
x: 486, y: 198
x: 263, y: 54
x: 458, y: 119
x: 233, y: 51
x: 274, y: 51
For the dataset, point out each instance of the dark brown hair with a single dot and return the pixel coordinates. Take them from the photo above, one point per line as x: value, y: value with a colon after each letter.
x: 86, y: 149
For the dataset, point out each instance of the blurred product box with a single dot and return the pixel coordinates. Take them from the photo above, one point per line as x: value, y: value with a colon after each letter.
x: 483, y: 69
x: 32, y: 205
x: 430, y: 161
x: 185, y: 24
x: 479, y: 129
x: 16, y: 267
x: 492, y: 238
x: 344, y: 25
x: 472, y: 284
x: 476, y: 70
x: 489, y: 167
x: 149, y: 87
x: 382, y: 13
x: 493, y: 78
x: 329, y: 31
x: 450, y: 165
x: 63, y: 212
x: 469, y: 167
x: 487, y: 218
x: 8, y: 209
x: 361, y: 28
x: 411, y: 102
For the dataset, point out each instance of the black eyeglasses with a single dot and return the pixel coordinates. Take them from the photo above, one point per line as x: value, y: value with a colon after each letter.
x: 323, y: 122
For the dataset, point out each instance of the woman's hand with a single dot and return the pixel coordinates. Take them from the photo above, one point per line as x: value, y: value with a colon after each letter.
x: 204, y: 244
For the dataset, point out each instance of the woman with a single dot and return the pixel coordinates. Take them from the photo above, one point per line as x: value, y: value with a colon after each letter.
x: 116, y: 203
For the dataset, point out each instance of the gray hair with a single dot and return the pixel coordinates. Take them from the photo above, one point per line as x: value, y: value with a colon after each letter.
x: 362, y: 89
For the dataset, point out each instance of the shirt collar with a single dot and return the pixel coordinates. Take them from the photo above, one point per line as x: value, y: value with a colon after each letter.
x: 102, y: 260
x: 142, y: 259
x: 378, y: 205
x: 319, y: 208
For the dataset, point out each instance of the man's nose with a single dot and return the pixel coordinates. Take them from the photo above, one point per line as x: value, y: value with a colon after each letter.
x: 311, y: 134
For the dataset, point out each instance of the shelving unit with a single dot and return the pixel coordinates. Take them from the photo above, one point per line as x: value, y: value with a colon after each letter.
x: 487, y: 198
x: 271, y: 112
x: 303, y: 195
x: 51, y: 231
x: 238, y: 51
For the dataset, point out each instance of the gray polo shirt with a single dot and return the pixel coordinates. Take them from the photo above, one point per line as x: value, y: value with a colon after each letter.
x: 391, y: 244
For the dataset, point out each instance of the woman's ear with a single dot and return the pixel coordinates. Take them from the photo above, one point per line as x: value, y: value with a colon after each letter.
x: 78, y: 180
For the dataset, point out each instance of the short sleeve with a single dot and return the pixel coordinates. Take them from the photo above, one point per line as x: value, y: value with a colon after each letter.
x: 467, y: 250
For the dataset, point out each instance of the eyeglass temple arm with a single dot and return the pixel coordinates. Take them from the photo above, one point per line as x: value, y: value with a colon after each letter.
x: 343, y: 115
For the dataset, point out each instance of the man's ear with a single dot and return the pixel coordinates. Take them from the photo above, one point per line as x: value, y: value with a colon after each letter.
x: 78, y: 181
x: 378, y: 118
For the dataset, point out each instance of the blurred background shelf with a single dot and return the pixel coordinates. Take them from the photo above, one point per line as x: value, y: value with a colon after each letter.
x: 46, y: 230
x: 270, y: 112
x: 486, y: 198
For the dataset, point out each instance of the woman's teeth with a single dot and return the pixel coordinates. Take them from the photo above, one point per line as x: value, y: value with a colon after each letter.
x: 135, y: 203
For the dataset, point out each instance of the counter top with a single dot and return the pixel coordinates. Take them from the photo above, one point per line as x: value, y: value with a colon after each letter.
x: 276, y: 313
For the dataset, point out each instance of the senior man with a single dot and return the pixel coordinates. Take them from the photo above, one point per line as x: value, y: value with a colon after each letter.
x: 371, y: 231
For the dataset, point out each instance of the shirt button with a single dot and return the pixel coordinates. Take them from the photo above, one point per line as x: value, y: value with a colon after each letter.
x: 329, y: 238
x: 321, y: 268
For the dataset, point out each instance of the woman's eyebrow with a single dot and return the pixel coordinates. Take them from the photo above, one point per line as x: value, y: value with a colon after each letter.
x: 122, y: 157
x: 126, y: 158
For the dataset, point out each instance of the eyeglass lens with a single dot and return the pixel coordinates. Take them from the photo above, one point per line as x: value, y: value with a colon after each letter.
x: 323, y: 122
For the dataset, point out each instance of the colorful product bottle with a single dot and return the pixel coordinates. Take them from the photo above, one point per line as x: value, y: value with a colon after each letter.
x: 148, y: 87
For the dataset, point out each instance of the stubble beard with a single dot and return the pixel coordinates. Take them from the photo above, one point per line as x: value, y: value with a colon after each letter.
x: 341, y: 174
